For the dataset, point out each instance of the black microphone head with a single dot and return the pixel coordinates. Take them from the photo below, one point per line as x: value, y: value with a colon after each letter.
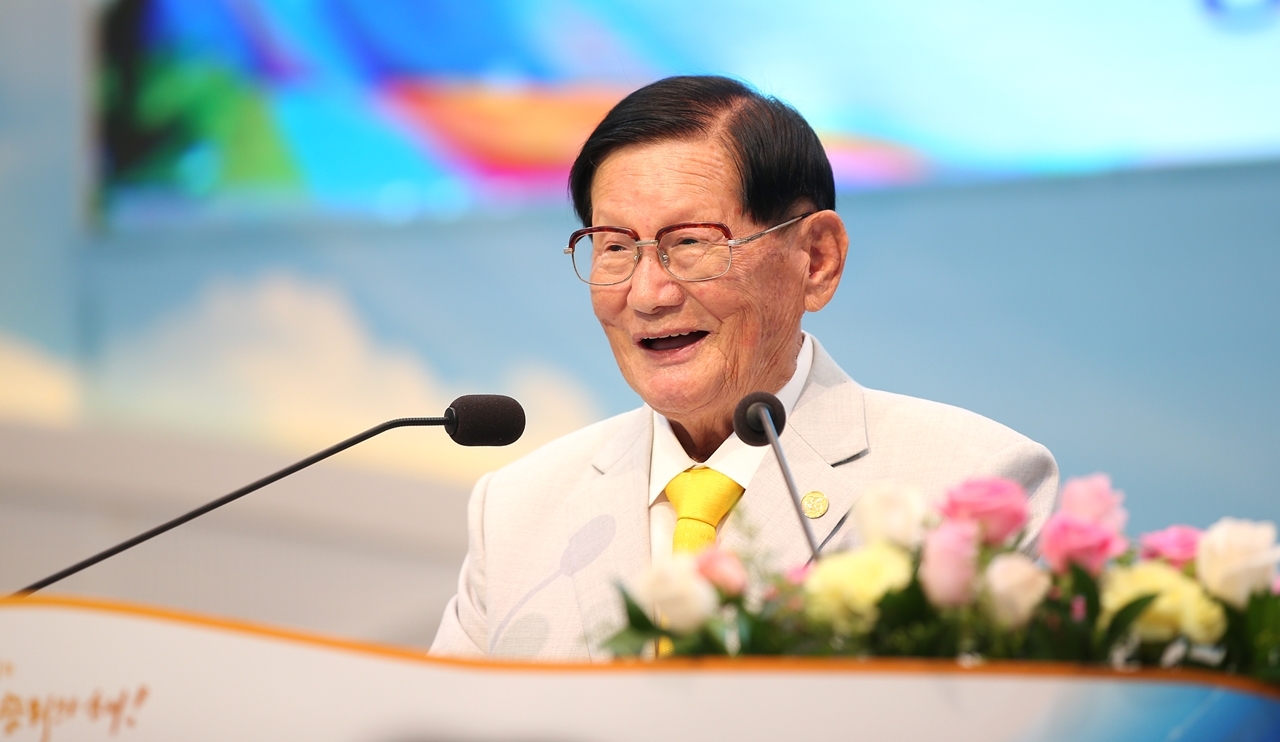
x: 484, y: 420
x: 746, y: 418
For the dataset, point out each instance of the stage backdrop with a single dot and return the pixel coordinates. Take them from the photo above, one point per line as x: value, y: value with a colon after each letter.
x: 265, y: 225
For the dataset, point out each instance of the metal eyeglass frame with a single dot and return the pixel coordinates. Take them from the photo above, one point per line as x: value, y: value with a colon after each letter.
x: 662, y: 255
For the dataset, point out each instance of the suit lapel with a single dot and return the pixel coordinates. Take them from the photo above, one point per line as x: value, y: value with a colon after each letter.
x: 607, y: 533
x: 826, y: 429
x: 608, y: 528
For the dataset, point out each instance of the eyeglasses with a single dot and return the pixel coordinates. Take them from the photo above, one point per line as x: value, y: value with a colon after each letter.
x: 690, y: 251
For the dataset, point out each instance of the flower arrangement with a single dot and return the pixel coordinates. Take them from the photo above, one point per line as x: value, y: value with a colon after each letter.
x: 950, y: 581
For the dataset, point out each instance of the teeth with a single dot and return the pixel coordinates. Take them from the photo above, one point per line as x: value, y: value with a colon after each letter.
x: 677, y: 335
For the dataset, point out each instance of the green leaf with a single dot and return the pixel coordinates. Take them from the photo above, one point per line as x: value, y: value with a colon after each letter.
x: 1123, y: 621
x: 710, y: 641
x: 1262, y: 619
x: 908, y: 626
x: 627, y: 643
x: 746, y: 631
x: 904, y: 607
x: 1084, y: 584
x: 1238, y: 641
x: 636, y: 616
x: 1053, y: 635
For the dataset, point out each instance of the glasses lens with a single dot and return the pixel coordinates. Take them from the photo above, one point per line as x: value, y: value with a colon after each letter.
x: 696, y: 253
x: 604, y: 257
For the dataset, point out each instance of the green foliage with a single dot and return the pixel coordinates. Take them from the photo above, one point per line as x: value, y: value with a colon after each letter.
x: 1122, y: 622
x: 1066, y: 627
x: 910, y: 627
x: 779, y: 626
x: 637, y: 639
x: 1262, y: 630
x: 634, y: 640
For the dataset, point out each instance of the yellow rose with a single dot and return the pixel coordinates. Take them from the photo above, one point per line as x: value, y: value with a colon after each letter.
x: 1203, y: 620
x: 1181, y: 605
x: 843, y: 589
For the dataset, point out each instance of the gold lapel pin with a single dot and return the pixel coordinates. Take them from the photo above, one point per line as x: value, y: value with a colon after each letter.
x: 814, y: 504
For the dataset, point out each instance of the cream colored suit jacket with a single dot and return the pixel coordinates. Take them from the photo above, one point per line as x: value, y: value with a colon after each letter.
x: 552, y: 534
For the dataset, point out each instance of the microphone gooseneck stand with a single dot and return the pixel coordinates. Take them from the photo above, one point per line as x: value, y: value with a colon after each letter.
x: 766, y: 420
x: 471, y: 420
x: 757, y: 420
x: 231, y: 497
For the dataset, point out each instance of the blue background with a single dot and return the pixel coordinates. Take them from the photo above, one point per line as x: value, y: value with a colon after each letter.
x: 1124, y: 316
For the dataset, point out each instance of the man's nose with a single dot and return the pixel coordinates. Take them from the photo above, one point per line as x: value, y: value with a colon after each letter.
x: 652, y: 288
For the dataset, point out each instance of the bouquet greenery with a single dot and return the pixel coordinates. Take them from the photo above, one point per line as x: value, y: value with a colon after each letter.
x: 952, y: 581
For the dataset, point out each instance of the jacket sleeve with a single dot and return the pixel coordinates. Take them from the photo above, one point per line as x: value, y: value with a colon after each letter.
x: 464, y: 629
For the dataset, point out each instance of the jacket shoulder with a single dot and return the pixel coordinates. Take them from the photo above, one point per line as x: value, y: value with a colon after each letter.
x: 938, y: 445
x: 888, y: 413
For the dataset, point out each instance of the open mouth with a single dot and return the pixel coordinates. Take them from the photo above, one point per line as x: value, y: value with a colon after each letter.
x: 672, y: 342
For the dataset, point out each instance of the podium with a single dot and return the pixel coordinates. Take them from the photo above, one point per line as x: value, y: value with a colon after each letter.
x: 74, y: 669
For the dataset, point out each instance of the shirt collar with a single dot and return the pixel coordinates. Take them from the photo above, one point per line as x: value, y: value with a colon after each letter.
x: 733, y: 458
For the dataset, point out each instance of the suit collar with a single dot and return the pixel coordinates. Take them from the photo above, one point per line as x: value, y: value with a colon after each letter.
x: 827, y: 428
x: 635, y: 427
x: 831, y: 413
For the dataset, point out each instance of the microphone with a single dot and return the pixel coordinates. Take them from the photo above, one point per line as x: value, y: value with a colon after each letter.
x: 472, y: 420
x: 484, y: 420
x: 747, y: 420
x: 758, y: 420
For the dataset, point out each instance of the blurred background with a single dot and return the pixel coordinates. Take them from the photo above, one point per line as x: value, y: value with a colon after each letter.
x: 233, y: 232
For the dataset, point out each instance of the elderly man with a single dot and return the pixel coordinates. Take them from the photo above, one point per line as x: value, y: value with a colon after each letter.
x: 709, y: 232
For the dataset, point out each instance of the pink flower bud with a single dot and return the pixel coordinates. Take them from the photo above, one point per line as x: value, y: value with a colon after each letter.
x: 1078, y: 608
x: 724, y: 570
x: 797, y: 575
x: 949, y: 563
x: 1175, y: 544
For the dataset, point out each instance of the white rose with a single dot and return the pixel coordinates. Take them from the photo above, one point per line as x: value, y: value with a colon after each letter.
x: 683, y: 598
x: 893, y: 513
x: 1014, y: 587
x: 1236, y: 558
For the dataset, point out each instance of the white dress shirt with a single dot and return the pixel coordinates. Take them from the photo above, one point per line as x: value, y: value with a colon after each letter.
x: 733, y: 458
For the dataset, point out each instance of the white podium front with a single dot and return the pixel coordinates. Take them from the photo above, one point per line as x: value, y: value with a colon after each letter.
x: 72, y: 669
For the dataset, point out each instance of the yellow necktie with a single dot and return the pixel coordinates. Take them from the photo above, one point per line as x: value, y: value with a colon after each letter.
x: 701, y: 497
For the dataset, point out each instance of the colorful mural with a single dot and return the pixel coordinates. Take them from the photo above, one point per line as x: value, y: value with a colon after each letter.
x: 406, y: 108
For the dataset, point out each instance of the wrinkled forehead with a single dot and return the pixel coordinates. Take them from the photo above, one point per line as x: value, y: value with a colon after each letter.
x: 667, y: 181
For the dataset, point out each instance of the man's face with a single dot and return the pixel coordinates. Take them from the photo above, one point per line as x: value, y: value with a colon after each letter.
x: 691, y: 350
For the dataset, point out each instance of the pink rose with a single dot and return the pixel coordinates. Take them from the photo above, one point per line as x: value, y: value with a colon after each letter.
x: 1092, y: 499
x: 949, y: 563
x: 724, y: 570
x: 998, y: 505
x: 1068, y: 539
x: 1275, y: 586
x: 1175, y: 544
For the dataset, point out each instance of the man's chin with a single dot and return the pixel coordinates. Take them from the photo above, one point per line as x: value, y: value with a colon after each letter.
x: 679, y: 403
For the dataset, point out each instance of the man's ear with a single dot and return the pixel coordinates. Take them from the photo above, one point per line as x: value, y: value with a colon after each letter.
x: 827, y: 242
